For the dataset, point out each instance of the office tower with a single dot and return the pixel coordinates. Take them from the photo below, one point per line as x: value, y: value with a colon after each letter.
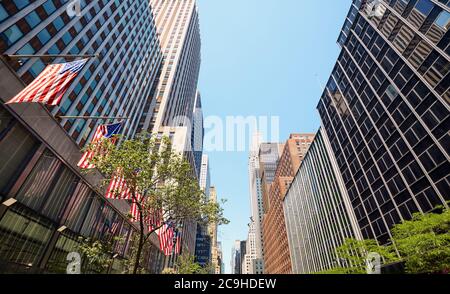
x: 268, y: 156
x: 219, y: 267
x: 179, y: 33
x: 55, y: 203
x: 317, y: 211
x: 205, y: 176
x: 203, y: 246
x: 171, y: 110
x: 242, y: 251
x: 116, y: 84
x: 276, y: 246
x: 212, y: 229
x: 198, y: 133
x: 236, y: 258
x: 385, y: 110
x: 251, y: 263
x: 256, y: 194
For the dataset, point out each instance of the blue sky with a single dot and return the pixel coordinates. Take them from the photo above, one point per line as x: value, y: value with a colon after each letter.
x: 263, y: 58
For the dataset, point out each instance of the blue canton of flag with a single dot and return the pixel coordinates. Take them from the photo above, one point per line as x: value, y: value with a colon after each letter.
x: 73, y: 67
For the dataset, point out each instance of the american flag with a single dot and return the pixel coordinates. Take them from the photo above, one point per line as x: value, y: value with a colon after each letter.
x: 51, y: 84
x: 165, y: 236
x: 118, y: 189
x: 102, y: 132
x: 135, y: 214
x: 154, y: 219
x: 178, y: 242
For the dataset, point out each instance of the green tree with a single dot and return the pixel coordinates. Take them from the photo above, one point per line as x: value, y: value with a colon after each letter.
x: 99, y: 254
x: 186, y: 265
x: 424, y: 242
x: 352, y: 255
x: 159, y: 180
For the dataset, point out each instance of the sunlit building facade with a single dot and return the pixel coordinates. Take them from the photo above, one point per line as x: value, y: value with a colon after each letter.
x: 385, y: 110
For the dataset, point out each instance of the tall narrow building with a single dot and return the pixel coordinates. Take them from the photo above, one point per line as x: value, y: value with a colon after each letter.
x: 203, y: 245
x: 317, y: 212
x: 385, y: 110
x: 256, y: 194
x: 276, y: 246
x: 171, y: 111
x: 46, y: 202
x: 212, y: 229
x: 197, y: 134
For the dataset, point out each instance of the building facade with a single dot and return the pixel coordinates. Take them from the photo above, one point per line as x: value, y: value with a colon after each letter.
x: 256, y: 193
x: 198, y: 134
x: 117, y: 84
x: 212, y: 230
x: 38, y: 228
x: 276, y: 246
x: 172, y: 108
x: 385, y: 110
x: 203, y: 246
x: 236, y: 263
x: 317, y: 211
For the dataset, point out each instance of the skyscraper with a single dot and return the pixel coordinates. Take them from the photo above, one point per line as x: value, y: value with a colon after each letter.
x: 276, y: 246
x: 118, y: 83
x: 171, y: 111
x: 256, y: 194
x: 236, y: 263
x: 385, y: 110
x: 212, y: 229
x: 203, y: 246
x: 43, y: 193
x: 317, y: 211
x: 179, y: 33
x: 251, y: 263
x: 198, y: 134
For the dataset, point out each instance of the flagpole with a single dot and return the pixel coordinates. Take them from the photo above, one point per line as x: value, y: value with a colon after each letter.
x: 91, y: 117
x: 24, y: 56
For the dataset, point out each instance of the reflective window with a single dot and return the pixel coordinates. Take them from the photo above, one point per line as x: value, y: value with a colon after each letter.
x: 11, y: 35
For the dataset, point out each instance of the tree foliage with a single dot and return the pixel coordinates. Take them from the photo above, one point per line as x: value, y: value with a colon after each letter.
x: 424, y: 242
x: 186, y: 265
x: 352, y: 255
x: 160, y: 181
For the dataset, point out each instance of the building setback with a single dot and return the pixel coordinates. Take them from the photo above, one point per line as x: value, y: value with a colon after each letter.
x: 385, y: 110
x: 317, y: 212
x: 276, y: 246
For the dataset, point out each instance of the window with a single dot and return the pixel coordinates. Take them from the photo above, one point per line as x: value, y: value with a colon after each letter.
x: 3, y: 13
x: 391, y: 92
x: 11, y: 35
x: 424, y: 6
x: 33, y: 19
x: 443, y: 20
x: 58, y: 23
x: 21, y: 3
x: 44, y: 36
x: 49, y: 7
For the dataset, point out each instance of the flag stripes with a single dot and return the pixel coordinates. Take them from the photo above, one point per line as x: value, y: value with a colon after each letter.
x: 51, y: 84
x: 102, y: 132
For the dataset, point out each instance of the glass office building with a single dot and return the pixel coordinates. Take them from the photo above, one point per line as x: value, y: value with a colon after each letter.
x: 386, y: 108
x: 55, y: 203
x: 117, y: 83
x: 317, y: 212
